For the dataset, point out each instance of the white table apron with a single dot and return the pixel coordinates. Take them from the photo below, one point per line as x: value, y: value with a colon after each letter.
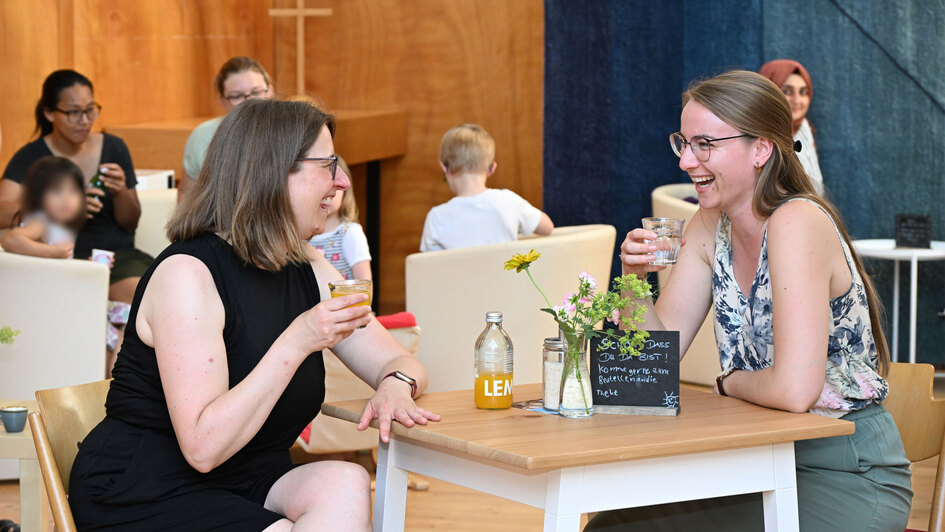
x: 566, y: 493
x: 886, y: 249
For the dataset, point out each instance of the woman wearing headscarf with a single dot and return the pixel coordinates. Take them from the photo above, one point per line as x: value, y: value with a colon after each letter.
x: 796, y: 85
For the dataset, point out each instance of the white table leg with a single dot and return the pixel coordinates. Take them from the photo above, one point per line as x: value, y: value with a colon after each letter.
x: 913, y: 297
x: 390, y: 494
x: 781, y: 502
x: 34, y: 511
x: 895, y: 317
x: 563, y: 500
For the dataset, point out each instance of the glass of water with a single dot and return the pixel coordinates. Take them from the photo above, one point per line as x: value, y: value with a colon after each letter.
x: 668, y: 238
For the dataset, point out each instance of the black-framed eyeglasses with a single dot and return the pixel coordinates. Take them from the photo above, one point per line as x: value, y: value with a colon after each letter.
x: 74, y: 116
x: 239, y: 97
x: 701, y: 146
x: 332, y: 165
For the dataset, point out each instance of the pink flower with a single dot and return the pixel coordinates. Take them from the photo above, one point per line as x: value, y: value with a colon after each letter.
x: 562, y: 311
x: 569, y: 304
x: 614, y: 316
x: 589, y: 279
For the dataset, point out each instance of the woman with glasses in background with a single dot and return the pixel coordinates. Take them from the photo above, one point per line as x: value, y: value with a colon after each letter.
x: 65, y: 114
x: 239, y: 79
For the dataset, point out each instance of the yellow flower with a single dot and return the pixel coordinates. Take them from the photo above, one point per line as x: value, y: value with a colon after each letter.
x: 522, y: 261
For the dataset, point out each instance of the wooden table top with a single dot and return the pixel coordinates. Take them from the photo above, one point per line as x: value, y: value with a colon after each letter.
x: 533, y: 440
x: 18, y: 444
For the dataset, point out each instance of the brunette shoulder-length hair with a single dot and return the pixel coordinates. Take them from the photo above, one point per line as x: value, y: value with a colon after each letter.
x: 242, y: 192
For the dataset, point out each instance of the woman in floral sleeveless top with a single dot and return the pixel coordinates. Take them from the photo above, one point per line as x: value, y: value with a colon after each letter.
x: 797, y: 320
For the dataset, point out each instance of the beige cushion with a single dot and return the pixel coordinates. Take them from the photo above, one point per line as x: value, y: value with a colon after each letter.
x: 59, y: 305
x: 450, y: 292
x: 156, y: 209
x: 701, y: 363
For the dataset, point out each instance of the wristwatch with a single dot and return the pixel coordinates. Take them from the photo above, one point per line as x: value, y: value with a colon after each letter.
x: 400, y: 376
x: 721, y: 377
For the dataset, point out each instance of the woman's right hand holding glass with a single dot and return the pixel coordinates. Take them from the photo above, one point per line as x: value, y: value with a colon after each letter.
x: 636, y: 255
x: 329, y: 322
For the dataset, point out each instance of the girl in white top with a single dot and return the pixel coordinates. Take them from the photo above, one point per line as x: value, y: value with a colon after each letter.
x: 477, y: 215
x: 343, y: 242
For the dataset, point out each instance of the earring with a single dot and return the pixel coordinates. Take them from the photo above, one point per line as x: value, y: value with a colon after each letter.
x: 757, y: 167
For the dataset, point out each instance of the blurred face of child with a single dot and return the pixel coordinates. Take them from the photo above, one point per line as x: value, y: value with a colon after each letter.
x: 336, y: 203
x: 63, y: 202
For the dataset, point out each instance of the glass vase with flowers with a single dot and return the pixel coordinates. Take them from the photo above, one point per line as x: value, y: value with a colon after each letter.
x: 578, y: 316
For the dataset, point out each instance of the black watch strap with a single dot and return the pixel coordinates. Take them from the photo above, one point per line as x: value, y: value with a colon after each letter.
x: 721, y: 378
x: 402, y: 377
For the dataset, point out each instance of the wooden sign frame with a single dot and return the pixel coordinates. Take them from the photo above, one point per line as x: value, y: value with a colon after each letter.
x: 618, y: 382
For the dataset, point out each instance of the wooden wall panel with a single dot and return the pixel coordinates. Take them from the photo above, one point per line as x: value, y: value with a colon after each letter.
x: 29, y: 50
x: 155, y: 59
x: 149, y: 59
x: 445, y: 62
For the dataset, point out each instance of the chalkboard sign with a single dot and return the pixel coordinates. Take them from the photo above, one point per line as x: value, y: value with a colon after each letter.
x: 913, y: 231
x: 643, y: 385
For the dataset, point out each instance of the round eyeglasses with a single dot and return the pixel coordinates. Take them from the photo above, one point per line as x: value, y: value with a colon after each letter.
x: 237, y: 98
x: 74, y: 116
x: 701, y: 146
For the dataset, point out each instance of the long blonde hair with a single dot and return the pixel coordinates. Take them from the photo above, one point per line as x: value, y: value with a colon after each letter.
x: 349, y: 206
x: 754, y: 105
x: 243, y: 192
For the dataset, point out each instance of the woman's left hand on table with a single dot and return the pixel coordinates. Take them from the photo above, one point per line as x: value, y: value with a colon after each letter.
x: 392, y: 402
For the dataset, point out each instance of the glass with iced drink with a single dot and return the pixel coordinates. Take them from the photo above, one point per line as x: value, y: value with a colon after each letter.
x: 668, y: 238
x: 350, y: 287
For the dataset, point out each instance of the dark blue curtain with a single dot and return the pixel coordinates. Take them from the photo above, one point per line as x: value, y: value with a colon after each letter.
x: 614, y: 72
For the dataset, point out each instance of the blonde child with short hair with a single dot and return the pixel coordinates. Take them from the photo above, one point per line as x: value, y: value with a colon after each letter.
x: 343, y: 242
x: 478, y: 215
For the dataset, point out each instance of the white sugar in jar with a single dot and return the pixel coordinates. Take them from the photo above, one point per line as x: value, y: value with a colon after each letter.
x: 552, y: 367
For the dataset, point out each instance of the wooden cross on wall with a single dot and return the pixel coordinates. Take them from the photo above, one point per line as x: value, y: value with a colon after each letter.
x: 300, y: 12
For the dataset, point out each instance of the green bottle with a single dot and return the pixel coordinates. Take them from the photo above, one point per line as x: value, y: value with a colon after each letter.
x: 96, y: 181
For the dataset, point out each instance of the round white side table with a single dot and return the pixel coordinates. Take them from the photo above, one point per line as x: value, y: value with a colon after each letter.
x: 885, y: 248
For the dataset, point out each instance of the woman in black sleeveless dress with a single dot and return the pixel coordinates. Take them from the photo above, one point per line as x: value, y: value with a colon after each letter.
x: 221, y: 366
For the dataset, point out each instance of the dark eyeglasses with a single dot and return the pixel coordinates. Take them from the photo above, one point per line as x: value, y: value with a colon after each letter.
x: 238, y: 97
x: 332, y: 166
x: 75, y: 115
x: 701, y: 146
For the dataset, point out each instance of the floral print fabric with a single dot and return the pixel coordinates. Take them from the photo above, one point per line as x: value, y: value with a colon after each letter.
x: 745, y: 336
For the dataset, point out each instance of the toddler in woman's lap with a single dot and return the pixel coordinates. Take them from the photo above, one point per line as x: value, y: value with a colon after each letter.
x: 477, y: 215
x: 52, y: 210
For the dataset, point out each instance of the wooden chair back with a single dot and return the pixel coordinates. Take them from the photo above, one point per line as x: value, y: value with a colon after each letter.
x: 921, y: 421
x: 65, y: 418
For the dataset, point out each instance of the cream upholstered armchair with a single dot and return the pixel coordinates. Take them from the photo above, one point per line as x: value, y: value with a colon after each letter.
x: 157, y: 205
x: 701, y: 363
x: 59, y: 307
x: 450, y: 292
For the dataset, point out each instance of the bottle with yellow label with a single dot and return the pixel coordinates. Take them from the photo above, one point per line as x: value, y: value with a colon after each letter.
x: 493, y: 365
